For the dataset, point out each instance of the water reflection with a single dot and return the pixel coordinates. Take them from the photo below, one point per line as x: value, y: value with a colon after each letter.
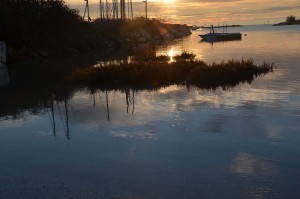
x: 100, y: 101
x: 142, y: 134
x: 243, y: 163
x: 261, y: 170
x: 129, y: 99
x: 247, y: 164
x: 67, y: 119
x: 97, y: 109
x: 41, y: 88
x: 212, y: 41
x: 4, y: 76
x: 184, y: 142
x: 274, y: 131
x: 53, y: 116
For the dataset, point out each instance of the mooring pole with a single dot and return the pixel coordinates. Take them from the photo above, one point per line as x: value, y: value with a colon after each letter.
x: 100, y: 7
x: 87, y: 10
x: 146, y: 8
x: 131, y: 10
x: 124, y: 9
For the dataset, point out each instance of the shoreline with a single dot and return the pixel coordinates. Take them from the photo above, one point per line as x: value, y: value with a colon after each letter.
x: 119, y: 39
x: 286, y: 24
x: 39, y: 30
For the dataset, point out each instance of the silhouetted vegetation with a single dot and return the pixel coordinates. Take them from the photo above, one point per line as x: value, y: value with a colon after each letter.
x: 34, y: 86
x: 157, y: 73
x: 290, y: 20
x: 185, y: 56
x: 28, y: 22
x: 39, y: 28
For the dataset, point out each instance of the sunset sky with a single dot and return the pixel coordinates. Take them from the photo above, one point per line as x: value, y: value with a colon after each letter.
x: 202, y: 12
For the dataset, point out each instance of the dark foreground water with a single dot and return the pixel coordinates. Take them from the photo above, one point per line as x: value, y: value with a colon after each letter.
x: 173, y: 142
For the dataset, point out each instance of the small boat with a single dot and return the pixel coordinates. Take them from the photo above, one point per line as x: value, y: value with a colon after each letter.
x: 213, y: 36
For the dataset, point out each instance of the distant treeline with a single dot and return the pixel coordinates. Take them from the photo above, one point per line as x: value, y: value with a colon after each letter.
x: 290, y: 20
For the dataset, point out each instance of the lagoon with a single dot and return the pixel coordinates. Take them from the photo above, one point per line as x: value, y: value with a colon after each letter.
x: 171, y: 142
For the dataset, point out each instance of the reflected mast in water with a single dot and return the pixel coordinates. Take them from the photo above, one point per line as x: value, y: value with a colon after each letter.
x: 132, y: 101
x: 94, y: 100
x: 129, y: 100
x: 53, y: 116
x: 127, y: 93
x: 67, y: 119
x: 107, y: 107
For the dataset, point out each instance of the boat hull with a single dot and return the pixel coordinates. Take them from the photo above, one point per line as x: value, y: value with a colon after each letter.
x: 221, y: 36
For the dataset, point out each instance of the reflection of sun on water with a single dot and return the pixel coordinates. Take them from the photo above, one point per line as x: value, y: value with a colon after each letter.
x: 171, y: 54
x: 168, y: 89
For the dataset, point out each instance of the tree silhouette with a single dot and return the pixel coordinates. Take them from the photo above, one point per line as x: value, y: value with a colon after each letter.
x: 291, y: 19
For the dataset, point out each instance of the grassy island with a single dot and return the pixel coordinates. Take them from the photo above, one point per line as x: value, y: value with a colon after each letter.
x: 159, y: 72
x: 37, y: 87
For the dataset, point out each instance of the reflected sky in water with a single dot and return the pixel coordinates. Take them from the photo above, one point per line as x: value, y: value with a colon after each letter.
x: 174, y: 142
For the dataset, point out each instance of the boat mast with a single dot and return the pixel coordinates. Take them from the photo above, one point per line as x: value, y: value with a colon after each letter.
x: 212, y: 28
x: 87, y: 9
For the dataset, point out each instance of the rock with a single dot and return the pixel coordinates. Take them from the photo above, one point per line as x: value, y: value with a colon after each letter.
x: 71, y: 51
x: 135, y: 35
x: 10, y: 52
x: 175, y: 33
x: 141, y: 40
x: 185, y: 30
x: 127, y: 41
x: 42, y: 53
x: 110, y: 44
x: 143, y: 33
x: 4, y: 77
x: 156, y: 37
x: 148, y: 37
x: 168, y: 36
x: 32, y: 54
x: 2, y: 52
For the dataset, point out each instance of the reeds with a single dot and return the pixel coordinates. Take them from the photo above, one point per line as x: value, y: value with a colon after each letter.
x: 159, y: 72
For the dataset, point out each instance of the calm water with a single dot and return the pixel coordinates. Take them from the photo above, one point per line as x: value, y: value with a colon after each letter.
x: 170, y: 143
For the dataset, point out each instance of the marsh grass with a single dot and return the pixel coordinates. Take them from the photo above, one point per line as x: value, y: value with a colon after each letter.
x: 159, y: 72
x: 184, y: 56
x: 32, y: 86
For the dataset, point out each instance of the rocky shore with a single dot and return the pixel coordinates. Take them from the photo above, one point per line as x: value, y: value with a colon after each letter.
x: 118, y: 39
x: 287, y: 23
x: 175, y: 31
x: 34, y: 29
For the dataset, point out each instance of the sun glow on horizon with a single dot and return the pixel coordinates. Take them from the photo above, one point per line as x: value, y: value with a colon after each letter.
x: 171, y: 54
x: 163, y: 1
x: 204, y: 12
x: 169, y: 1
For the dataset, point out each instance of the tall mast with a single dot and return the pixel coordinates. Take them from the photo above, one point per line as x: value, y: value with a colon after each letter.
x: 87, y: 9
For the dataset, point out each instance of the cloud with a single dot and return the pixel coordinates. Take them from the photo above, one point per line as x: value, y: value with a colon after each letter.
x: 279, y: 8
